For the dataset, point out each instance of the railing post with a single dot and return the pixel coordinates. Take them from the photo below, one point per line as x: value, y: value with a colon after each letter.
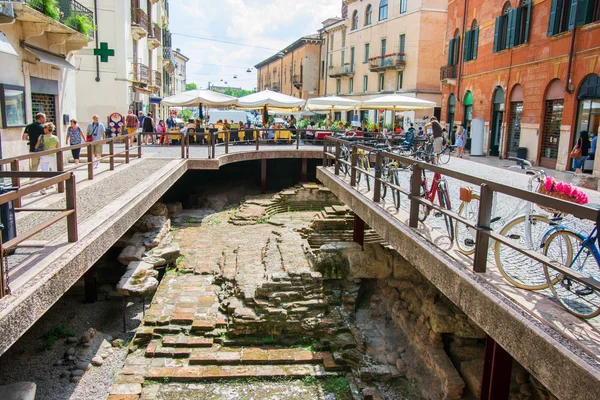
x: 182, y: 143
x: 227, y: 142
x: 297, y: 139
x: 354, y: 161
x: 338, y: 151
x: 72, y: 205
x: 482, y: 240
x: 497, y: 371
x: 111, y: 151
x: 415, y: 192
x: 377, y: 188
x: 16, y: 182
x: 3, y: 276
x: 90, y: 160
x: 127, y: 149
x: 213, y: 143
x: 140, y: 138
x: 325, y: 157
x: 257, y: 139
x: 187, y: 147
x: 60, y: 166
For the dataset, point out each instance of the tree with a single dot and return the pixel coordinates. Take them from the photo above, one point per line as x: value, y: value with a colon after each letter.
x: 191, y: 86
x: 237, y: 93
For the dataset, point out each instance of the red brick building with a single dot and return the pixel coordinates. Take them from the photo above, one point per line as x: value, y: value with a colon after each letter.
x: 528, y: 71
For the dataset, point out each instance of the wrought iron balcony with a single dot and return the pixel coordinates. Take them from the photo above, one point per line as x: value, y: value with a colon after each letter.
x: 297, y: 81
x: 139, y: 23
x: 447, y: 72
x: 388, y: 61
x: 7, y: 12
x: 276, y: 86
x: 139, y: 73
x: 155, y: 79
x: 154, y: 36
x: 344, y: 70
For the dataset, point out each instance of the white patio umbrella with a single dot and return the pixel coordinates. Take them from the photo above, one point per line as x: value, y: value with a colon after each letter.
x: 269, y: 99
x: 199, y: 98
x: 397, y: 102
x: 331, y: 103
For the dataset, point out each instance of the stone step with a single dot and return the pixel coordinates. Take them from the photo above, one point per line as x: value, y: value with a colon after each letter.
x: 197, y: 373
x: 186, y: 341
x: 255, y: 356
x: 155, y: 349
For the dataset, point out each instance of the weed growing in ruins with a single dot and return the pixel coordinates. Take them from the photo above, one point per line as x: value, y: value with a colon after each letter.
x: 166, y: 380
x: 339, y: 386
x: 309, y: 380
x: 52, y: 335
x: 180, y: 259
x: 263, y: 220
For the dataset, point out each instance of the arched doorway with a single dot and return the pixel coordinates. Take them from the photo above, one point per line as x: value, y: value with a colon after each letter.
x: 451, y: 112
x: 554, y: 104
x: 514, y: 120
x: 468, y: 117
x: 497, y: 118
x: 588, y: 114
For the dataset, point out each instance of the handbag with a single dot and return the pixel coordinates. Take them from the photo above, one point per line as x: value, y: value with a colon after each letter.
x: 576, y: 152
x: 90, y: 138
x: 40, y: 147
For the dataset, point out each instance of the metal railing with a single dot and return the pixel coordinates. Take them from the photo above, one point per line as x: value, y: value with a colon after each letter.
x: 388, y: 61
x: 66, y: 9
x: 139, y: 73
x: 447, y: 72
x: 155, y: 32
x: 155, y: 79
x: 139, y: 18
x: 276, y: 86
x: 297, y: 80
x: 488, y: 189
x: 344, y: 70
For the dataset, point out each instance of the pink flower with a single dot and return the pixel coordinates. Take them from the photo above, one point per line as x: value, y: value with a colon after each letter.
x: 548, y: 183
x: 559, y: 187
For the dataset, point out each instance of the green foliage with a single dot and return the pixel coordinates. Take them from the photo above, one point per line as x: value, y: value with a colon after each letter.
x: 370, y: 125
x: 48, y: 7
x: 309, y: 380
x: 303, y: 124
x: 52, y: 335
x: 180, y: 259
x: 191, y: 86
x: 236, y: 93
x: 81, y: 23
x: 186, y: 114
x: 339, y: 386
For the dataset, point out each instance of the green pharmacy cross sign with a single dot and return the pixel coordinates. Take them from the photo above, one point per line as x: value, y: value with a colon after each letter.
x: 104, y: 52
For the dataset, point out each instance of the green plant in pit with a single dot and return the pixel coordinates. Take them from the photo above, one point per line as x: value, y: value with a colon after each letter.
x: 337, y: 385
x: 166, y: 380
x: 309, y: 380
x: 263, y: 220
x: 180, y: 259
x: 48, y: 7
x: 81, y: 23
x: 52, y: 335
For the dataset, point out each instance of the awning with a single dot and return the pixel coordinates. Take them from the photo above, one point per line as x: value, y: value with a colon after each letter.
x: 49, y: 58
x: 155, y: 100
x: 5, y: 46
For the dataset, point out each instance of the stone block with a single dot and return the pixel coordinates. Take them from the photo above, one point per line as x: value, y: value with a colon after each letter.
x: 174, y: 208
x: 18, y: 391
x: 471, y: 372
x: 169, y: 253
x: 158, y: 210
x: 131, y: 253
x: 139, y: 280
x: 149, y: 223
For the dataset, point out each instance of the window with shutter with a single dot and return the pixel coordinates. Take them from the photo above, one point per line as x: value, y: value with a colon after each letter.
x: 475, y: 43
x: 510, y: 29
x: 585, y: 12
x: 554, y: 17
x: 498, y: 33
x: 451, y: 52
x: 572, y: 13
x: 456, y: 50
x: 527, y: 15
x: 467, y: 46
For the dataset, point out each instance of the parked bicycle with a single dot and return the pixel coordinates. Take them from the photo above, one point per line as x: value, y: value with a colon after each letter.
x: 439, y: 191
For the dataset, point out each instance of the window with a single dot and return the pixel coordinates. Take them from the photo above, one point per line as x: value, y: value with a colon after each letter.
x: 338, y: 86
x: 355, y: 20
x: 322, y: 69
x: 402, y: 6
x: 381, y: 82
x: 343, y: 58
x: 400, y: 79
x: 383, y: 47
x: 383, y: 10
x: 453, y: 48
x: 351, y: 85
x: 564, y: 17
x: 368, y: 14
x: 343, y: 38
x: 331, y: 36
x: 331, y: 61
x: 366, y: 52
x: 12, y: 106
x: 402, y: 42
x: 471, y: 42
x: 365, y: 83
x: 512, y: 27
x: 352, y: 59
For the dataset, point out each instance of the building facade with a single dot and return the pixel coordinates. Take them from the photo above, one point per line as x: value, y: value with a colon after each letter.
x: 294, y: 70
x: 38, y: 67
x: 180, y: 79
x: 528, y: 71
x: 142, y: 69
x: 382, y: 46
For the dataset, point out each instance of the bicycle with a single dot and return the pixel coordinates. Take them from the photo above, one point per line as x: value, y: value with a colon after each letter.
x: 444, y: 155
x: 579, y: 253
x: 439, y: 189
x: 389, y: 174
x: 523, y: 225
x: 363, y: 166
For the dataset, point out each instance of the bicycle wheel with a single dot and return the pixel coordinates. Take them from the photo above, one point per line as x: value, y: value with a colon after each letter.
x: 445, y: 203
x: 444, y: 157
x: 423, y: 209
x: 464, y: 235
x: 518, y: 269
x: 577, y: 298
x: 385, y: 171
x: 393, y: 179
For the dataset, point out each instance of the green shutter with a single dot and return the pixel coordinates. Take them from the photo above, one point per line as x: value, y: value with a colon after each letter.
x: 511, y: 34
x: 498, y: 33
x: 554, y: 20
x: 456, y: 50
x: 467, y: 46
x: 517, y: 39
x: 585, y: 12
x: 451, y: 52
x: 475, y: 43
x: 527, y: 19
x: 572, y: 13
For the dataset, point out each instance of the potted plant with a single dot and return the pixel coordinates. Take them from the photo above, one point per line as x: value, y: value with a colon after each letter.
x: 48, y: 7
x: 81, y: 23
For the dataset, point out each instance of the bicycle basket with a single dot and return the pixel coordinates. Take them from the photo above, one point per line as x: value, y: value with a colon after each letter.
x: 555, y: 194
x: 466, y: 194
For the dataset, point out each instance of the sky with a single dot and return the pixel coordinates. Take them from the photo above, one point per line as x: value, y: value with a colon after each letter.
x: 262, y: 27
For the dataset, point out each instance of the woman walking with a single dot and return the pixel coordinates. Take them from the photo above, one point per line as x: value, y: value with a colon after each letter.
x: 460, y: 142
x: 148, y: 129
x: 161, y: 129
x: 74, y: 137
x: 583, y: 144
x: 47, y: 142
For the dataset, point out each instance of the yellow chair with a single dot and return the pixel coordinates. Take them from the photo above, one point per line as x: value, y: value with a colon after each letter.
x: 283, y: 135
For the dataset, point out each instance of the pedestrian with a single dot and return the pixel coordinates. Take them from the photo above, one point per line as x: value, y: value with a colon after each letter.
x: 148, y: 129
x: 592, y: 152
x: 453, y: 135
x: 74, y: 137
x: 460, y: 142
x: 32, y: 133
x: 45, y: 142
x: 436, y: 133
x: 583, y: 144
x: 171, y: 124
x: 132, y: 123
x: 161, y: 129
x: 140, y: 117
x: 96, y: 131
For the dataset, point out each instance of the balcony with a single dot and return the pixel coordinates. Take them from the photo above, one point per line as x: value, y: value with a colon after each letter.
x: 154, y: 37
x: 276, y: 86
x: 7, y: 12
x: 344, y: 70
x: 139, y: 23
x: 155, y: 81
x: 448, y: 74
x: 168, y: 58
x: 395, y: 61
x: 297, y: 81
x: 139, y: 74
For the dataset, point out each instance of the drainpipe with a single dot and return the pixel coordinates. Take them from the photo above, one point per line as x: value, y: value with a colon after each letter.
x: 96, y: 36
x: 326, y: 66
x: 571, y: 53
x: 460, y: 53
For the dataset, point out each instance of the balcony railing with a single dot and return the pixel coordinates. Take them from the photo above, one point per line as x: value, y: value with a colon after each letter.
x: 344, y: 70
x: 66, y: 9
x: 139, y: 73
x: 139, y: 18
x: 276, y: 86
x: 7, y: 12
x: 388, y: 61
x: 155, y: 79
x: 447, y: 72
x: 155, y: 32
x: 297, y: 80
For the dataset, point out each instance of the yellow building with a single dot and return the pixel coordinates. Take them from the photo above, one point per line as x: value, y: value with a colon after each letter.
x: 381, y: 47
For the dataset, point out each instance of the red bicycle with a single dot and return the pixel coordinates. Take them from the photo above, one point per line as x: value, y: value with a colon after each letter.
x: 439, y: 190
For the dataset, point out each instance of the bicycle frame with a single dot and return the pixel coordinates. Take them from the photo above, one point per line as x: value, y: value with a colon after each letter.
x: 430, y: 194
x: 587, y: 241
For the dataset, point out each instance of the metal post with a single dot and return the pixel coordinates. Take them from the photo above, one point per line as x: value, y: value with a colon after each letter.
x: 354, y: 161
x: 263, y: 176
x: 182, y: 144
x: 377, y: 188
x: 257, y: 140
x: 325, y: 156
x: 72, y: 234
x: 497, y: 368
x: 415, y: 192
x: 358, y: 235
x: 16, y: 182
x: 140, y: 138
x: 127, y: 150
x: 90, y: 284
x: 60, y: 166
x: 111, y: 151
x: 297, y: 139
x: 3, y: 277
x: 482, y: 240
x: 90, y: 160
x: 187, y: 146
x: 304, y: 175
x: 338, y: 151
x: 227, y: 142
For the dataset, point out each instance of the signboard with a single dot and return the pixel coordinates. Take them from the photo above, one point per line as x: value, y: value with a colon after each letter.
x: 115, y: 123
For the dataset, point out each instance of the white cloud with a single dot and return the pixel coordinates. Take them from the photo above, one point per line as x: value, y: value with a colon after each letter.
x: 273, y: 24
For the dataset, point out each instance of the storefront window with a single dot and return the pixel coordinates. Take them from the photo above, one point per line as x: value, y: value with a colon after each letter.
x: 12, y: 106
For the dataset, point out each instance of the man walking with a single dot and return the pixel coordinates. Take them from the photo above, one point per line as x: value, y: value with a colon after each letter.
x: 32, y: 133
x: 132, y: 123
x: 438, y: 138
x: 95, y: 130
